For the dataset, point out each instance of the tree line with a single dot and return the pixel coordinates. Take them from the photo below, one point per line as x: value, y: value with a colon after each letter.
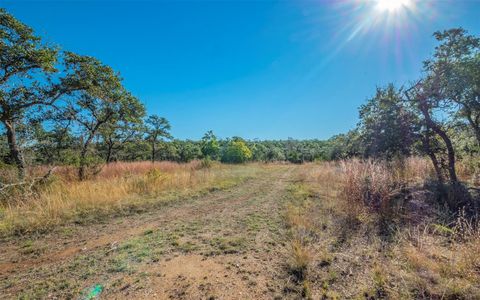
x: 59, y: 107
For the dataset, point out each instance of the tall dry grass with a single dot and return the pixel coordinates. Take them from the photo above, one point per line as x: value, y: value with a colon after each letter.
x: 428, y: 258
x: 117, y: 169
x: 120, y: 188
x: 439, y: 262
x: 468, y: 170
x: 381, y: 186
x: 369, y: 183
x: 301, y: 233
x: 325, y: 175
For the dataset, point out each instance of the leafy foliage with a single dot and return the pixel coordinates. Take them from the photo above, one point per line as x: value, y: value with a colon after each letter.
x: 387, y: 127
x: 210, y: 145
x: 236, y: 151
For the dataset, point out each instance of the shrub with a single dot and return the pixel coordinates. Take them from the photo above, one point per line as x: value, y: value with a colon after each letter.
x: 237, y: 152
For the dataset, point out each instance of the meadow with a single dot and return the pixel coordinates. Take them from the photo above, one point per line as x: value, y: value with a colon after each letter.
x: 98, y: 199
x: 349, y: 229
x: 119, y: 188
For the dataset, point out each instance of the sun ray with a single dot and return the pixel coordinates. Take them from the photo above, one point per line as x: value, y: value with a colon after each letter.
x: 392, y: 5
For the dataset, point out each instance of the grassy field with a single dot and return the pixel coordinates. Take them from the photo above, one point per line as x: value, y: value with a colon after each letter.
x: 119, y: 189
x: 255, y: 231
x: 403, y: 247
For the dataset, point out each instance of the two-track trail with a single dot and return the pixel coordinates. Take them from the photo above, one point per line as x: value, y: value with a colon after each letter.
x: 224, y: 245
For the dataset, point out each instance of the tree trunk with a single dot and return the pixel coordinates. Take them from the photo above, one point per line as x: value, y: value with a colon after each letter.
x: 15, y: 153
x: 108, y: 159
x: 475, y: 126
x: 443, y: 135
x: 153, y: 152
x: 83, y: 158
x: 433, y: 157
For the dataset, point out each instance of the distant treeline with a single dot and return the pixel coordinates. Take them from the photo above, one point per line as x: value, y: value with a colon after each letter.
x: 61, y: 108
x: 60, y: 146
x: 58, y: 107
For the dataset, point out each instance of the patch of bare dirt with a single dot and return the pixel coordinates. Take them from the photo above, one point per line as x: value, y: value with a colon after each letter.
x: 197, y: 277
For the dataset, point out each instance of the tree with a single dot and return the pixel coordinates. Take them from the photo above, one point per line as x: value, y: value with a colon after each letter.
x: 342, y: 146
x: 455, y: 67
x: 55, y: 146
x: 102, y: 100
x: 236, y: 152
x: 24, y: 63
x: 156, y: 128
x: 188, y: 150
x: 259, y: 151
x: 451, y: 86
x: 275, y: 153
x: 210, y: 146
x: 424, y: 95
x: 115, y: 135
x: 387, y: 127
x: 136, y: 149
x: 167, y: 150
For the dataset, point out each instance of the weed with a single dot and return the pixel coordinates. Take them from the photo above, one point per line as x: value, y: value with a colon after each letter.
x: 300, y: 260
x: 229, y: 245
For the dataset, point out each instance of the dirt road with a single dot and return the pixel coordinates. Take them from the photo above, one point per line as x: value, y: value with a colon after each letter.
x: 225, y: 245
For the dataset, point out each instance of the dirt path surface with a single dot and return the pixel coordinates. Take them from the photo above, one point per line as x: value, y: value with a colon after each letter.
x: 224, y: 245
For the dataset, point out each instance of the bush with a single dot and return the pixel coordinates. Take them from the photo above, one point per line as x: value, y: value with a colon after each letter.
x: 237, y: 152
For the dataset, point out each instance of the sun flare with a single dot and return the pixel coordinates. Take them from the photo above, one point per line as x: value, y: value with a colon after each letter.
x: 392, y: 5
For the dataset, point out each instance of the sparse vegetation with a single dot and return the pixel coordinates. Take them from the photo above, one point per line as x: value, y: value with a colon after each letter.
x: 119, y: 189
x: 412, y: 251
x: 97, y: 196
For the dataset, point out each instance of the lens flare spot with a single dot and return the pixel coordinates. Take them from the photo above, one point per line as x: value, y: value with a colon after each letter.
x: 392, y: 5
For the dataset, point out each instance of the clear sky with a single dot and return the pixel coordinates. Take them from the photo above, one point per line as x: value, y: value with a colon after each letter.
x: 256, y: 69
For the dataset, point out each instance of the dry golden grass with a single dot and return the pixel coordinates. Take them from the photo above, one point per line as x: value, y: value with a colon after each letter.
x: 118, y: 189
x: 359, y: 259
x: 439, y: 266
x: 301, y: 258
x: 417, y: 170
x: 118, y: 169
x: 374, y: 184
x: 469, y: 171
x: 325, y: 174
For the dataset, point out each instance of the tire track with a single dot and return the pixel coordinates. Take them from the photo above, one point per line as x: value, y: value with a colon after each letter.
x: 212, y: 204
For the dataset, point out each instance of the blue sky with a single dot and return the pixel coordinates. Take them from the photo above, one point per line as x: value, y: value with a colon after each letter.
x: 256, y: 69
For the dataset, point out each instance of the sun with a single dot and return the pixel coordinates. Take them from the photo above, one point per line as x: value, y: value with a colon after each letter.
x: 392, y: 5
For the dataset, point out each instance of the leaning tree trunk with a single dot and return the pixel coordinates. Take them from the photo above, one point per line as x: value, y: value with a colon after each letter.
x: 443, y: 135
x: 433, y: 157
x: 15, y: 153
